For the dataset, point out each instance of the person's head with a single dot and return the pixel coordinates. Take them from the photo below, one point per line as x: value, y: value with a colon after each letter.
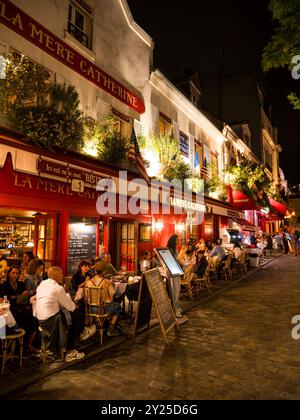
x: 219, y: 241
x: 35, y: 267
x: 56, y: 274
x: 200, y: 255
x: 236, y: 245
x: 100, y: 267
x: 184, y: 248
x: 147, y: 255
x: 214, y: 243
x: 84, y: 267
x: 13, y: 274
x: 27, y: 257
x: 173, y: 242
x: 106, y: 258
x: 2, y: 257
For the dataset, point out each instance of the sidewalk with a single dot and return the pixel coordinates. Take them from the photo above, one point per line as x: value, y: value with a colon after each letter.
x: 33, y: 369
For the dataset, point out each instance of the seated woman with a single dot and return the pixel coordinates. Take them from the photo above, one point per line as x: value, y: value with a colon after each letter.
x: 21, y: 309
x: 3, y: 267
x: 111, y: 307
x: 8, y: 325
x: 201, y: 265
x: 80, y: 278
x: 237, y: 251
x: 26, y: 259
x: 34, y: 277
x: 183, y: 258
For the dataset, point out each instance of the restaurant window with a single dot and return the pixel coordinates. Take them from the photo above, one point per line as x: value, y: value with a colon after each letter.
x: 215, y: 165
x: 165, y: 125
x: 80, y: 23
x: 45, y: 237
x: 268, y: 158
x: 184, y: 144
x: 198, y: 158
x: 122, y: 123
x: 128, y: 247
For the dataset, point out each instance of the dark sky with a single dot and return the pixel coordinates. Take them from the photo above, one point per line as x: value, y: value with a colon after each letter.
x: 195, y: 34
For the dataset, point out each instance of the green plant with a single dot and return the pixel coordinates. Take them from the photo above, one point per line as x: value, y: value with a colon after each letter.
x: 170, y: 158
x: 47, y: 113
x: 250, y: 179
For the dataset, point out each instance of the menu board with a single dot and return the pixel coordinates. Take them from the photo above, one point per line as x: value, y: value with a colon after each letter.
x: 168, y: 260
x: 144, y: 309
x: 162, y: 304
x: 82, y: 241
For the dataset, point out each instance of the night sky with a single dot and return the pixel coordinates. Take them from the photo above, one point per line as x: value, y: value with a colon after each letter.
x: 198, y: 34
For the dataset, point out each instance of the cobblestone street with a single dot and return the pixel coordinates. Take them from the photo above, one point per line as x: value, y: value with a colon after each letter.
x: 235, y: 346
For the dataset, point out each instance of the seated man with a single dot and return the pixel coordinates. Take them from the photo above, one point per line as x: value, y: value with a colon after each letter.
x: 51, y: 299
x: 113, y: 308
x: 219, y: 251
x: 104, y: 267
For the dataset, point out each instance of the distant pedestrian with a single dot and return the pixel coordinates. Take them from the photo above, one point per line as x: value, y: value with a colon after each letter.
x: 296, y: 240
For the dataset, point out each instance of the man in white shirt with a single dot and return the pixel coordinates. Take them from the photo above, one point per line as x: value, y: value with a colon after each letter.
x: 51, y: 300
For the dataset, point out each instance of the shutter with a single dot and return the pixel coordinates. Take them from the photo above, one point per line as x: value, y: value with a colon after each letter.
x: 176, y: 131
x: 192, y: 152
x: 138, y: 128
x: 155, y: 119
x: 103, y: 110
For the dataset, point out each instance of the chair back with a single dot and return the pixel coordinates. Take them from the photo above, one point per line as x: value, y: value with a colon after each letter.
x: 228, y: 261
x: 244, y: 256
x: 188, y: 275
x: 95, y: 297
x: 213, y: 263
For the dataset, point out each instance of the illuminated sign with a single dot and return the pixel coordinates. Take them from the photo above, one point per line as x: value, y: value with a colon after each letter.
x: 21, y: 23
x: 188, y: 205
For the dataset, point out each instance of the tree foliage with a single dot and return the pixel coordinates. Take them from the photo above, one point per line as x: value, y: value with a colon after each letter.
x: 46, y: 112
x: 170, y: 158
x: 285, y: 43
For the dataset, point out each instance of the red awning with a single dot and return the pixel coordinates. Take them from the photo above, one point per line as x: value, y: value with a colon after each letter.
x: 243, y: 201
x: 245, y: 224
x: 279, y: 207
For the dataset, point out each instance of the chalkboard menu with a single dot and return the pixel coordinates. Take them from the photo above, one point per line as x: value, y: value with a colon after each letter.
x: 144, y: 308
x: 166, y: 316
x: 82, y: 241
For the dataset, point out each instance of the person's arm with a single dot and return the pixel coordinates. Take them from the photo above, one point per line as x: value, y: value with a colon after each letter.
x: 64, y: 299
x: 214, y: 252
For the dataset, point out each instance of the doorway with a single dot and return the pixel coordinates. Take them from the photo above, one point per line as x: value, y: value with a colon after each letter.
x: 123, y: 245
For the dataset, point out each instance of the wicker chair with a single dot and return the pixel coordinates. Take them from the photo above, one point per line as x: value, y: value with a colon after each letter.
x: 205, y: 280
x: 8, y: 348
x: 95, y: 307
x: 186, y: 281
x: 226, y: 269
x: 241, y: 264
x: 213, y: 267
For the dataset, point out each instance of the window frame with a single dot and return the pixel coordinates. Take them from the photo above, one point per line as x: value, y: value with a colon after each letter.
x: 88, y: 24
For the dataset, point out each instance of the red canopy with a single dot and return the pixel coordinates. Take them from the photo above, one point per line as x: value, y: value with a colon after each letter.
x: 243, y: 201
x: 279, y: 207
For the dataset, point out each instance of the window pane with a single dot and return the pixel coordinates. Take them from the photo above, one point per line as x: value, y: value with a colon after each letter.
x: 50, y: 228
x: 49, y: 250
x: 70, y: 13
x: 40, y: 249
x: 79, y: 20
x: 184, y: 145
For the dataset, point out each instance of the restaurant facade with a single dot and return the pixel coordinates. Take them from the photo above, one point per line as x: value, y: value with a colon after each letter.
x: 48, y: 199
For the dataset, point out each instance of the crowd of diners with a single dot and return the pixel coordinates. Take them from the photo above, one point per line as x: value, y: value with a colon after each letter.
x: 42, y: 304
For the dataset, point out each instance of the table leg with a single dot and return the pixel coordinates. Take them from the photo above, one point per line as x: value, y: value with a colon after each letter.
x: 4, y: 354
x: 21, y: 351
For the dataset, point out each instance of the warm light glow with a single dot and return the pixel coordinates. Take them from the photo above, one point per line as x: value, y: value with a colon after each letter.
x: 214, y: 195
x: 153, y: 159
x: 179, y: 227
x: 30, y: 245
x: 158, y: 225
x: 90, y: 147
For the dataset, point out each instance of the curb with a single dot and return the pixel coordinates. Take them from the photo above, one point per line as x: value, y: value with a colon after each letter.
x: 51, y: 370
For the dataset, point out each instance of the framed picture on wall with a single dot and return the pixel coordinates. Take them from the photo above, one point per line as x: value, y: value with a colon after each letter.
x: 145, y: 232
